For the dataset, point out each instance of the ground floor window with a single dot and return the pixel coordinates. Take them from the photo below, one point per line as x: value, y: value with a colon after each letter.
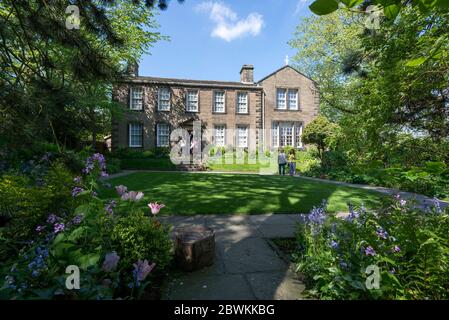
x: 135, y: 135
x: 219, y: 135
x: 286, y: 133
x: 242, y: 136
x: 162, y: 135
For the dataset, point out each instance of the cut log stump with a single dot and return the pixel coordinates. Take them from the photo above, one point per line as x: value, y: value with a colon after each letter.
x: 194, y: 247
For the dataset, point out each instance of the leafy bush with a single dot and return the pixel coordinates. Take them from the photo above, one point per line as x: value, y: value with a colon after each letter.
x: 407, y: 246
x: 113, y: 165
x: 115, y: 245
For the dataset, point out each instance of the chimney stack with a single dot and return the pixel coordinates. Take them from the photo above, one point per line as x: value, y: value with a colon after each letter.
x: 247, y: 73
x: 132, y: 69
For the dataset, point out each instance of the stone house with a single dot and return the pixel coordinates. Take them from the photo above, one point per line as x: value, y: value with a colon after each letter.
x: 271, y: 112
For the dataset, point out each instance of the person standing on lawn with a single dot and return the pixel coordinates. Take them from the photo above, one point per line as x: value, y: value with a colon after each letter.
x: 292, y: 162
x: 282, y: 161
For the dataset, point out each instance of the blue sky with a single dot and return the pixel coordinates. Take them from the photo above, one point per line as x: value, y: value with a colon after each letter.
x: 211, y: 40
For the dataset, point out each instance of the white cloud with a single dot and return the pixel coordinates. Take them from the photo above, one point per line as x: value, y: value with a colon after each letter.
x: 228, y: 26
x: 300, y: 5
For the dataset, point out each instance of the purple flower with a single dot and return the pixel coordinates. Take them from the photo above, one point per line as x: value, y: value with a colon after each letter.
x: 142, y: 269
x: 334, y: 245
x: 369, y: 251
x: 104, y: 174
x: 132, y: 195
x: 77, y: 180
x: 59, y: 227
x: 437, y: 205
x: 397, y: 196
x: 109, y: 206
x: 396, y: 249
x: 402, y: 202
x: 121, y: 189
x: 78, y: 219
x: 52, y: 218
x: 392, y: 271
x: 40, y: 228
x: 381, y: 233
x: 94, y: 194
x: 76, y: 191
x: 110, y: 262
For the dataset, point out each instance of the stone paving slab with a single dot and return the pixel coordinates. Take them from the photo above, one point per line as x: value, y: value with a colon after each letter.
x: 245, y: 267
x: 276, y: 286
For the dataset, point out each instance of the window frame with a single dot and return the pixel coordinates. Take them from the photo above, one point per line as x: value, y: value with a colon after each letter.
x: 237, y: 102
x: 237, y: 136
x: 285, y: 99
x: 197, y: 100
x: 296, y: 98
x: 130, y: 135
x: 158, y: 144
x: 215, y: 135
x: 214, y: 94
x: 159, y: 99
x: 132, y: 99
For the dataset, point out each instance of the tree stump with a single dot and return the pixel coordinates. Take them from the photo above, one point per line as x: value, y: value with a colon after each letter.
x: 194, y: 247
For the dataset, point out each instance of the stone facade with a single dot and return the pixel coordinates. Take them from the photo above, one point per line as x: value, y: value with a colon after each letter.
x: 261, y: 106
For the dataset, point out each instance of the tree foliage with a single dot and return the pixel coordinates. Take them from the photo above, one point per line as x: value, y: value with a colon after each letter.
x: 320, y: 132
x: 55, y: 83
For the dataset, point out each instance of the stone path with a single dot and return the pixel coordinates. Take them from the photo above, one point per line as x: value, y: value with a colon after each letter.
x: 246, y: 266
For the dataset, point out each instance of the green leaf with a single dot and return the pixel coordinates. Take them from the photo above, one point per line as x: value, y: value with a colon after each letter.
x: 416, y: 62
x: 77, y: 233
x: 323, y: 7
x: 351, y: 3
x: 391, y: 11
x: 88, y: 260
x: 442, y: 4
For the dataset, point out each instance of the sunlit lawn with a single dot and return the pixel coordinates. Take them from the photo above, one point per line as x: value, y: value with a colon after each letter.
x: 205, y: 193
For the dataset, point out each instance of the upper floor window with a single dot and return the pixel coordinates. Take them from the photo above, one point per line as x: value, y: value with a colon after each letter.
x: 192, y: 101
x: 219, y: 102
x: 242, y: 102
x: 293, y: 99
x: 162, y: 135
x: 164, y: 99
x: 136, y: 98
x: 219, y: 135
x: 281, y: 99
x: 287, y: 99
x: 135, y: 135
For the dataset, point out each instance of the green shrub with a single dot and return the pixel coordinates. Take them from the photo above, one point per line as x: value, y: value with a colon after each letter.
x: 409, y: 247
x: 137, y: 237
x: 113, y: 165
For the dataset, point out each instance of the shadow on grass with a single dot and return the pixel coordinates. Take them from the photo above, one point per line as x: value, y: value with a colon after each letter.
x: 190, y: 193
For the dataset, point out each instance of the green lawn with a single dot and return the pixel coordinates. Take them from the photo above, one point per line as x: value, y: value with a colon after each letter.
x: 148, y: 164
x: 202, y: 193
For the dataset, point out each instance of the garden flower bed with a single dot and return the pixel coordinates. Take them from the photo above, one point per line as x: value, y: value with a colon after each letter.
x: 103, y: 249
x: 398, y: 252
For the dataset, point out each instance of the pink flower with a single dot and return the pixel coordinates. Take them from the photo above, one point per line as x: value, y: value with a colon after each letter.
x: 132, y: 195
x: 121, y: 189
x: 155, y: 207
